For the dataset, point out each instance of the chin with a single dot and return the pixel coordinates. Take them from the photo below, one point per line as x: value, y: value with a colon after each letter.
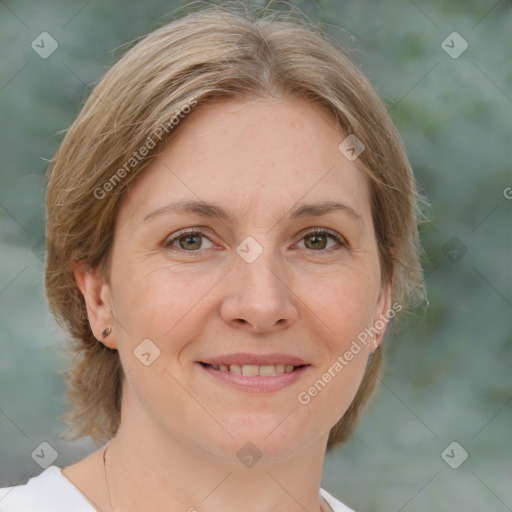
x: 268, y: 441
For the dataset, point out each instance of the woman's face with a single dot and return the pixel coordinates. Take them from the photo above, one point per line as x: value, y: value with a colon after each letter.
x: 203, y: 321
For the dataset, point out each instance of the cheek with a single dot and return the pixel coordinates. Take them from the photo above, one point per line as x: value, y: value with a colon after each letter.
x: 159, y: 312
x: 163, y: 305
x: 331, y: 391
x: 149, y: 305
x: 342, y: 307
x: 345, y: 303
x: 346, y: 311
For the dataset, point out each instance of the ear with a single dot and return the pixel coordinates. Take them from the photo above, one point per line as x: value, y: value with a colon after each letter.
x: 98, y: 299
x: 381, y: 316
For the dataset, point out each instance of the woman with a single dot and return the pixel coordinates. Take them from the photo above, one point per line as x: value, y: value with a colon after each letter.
x: 232, y: 224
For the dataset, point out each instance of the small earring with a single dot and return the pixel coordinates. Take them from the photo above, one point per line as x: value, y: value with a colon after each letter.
x: 106, y: 332
x: 375, y: 343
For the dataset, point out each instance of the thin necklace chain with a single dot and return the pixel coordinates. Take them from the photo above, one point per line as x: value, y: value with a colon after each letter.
x: 106, y: 478
x: 323, y: 503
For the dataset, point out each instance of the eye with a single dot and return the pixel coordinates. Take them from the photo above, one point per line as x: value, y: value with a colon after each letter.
x: 188, y: 240
x: 317, y: 239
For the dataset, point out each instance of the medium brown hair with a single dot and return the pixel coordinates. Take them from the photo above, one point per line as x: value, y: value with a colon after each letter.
x: 214, y: 53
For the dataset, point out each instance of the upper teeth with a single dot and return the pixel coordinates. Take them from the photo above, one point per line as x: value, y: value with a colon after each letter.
x: 253, y: 369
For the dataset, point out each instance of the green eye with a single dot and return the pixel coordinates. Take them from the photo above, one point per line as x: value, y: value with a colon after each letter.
x: 188, y: 240
x: 315, y: 241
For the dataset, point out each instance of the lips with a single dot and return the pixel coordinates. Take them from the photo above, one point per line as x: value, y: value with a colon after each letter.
x: 253, y: 365
x: 265, y: 370
x: 253, y: 373
x: 242, y: 359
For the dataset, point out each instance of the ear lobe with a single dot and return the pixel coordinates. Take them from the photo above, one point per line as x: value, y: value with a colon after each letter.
x: 384, y: 299
x: 97, y: 297
x: 382, y: 307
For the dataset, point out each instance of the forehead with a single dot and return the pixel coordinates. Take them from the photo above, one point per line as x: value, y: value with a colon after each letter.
x: 253, y: 154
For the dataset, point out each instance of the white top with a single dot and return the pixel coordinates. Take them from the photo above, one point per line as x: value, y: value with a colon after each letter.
x: 51, y: 491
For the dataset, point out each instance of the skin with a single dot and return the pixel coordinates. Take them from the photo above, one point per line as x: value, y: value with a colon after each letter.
x: 181, y: 429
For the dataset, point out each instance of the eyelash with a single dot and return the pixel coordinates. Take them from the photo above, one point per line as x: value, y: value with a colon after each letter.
x: 342, y: 243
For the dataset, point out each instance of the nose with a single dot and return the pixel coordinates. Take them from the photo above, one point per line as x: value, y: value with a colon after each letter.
x: 259, y: 299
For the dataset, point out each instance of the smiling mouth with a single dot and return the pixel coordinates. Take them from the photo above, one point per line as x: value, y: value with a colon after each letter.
x: 254, y: 370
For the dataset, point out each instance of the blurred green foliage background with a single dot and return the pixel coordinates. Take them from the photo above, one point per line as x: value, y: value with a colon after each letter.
x: 448, y: 369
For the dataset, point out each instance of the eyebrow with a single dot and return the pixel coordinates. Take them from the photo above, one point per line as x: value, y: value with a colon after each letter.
x: 212, y: 210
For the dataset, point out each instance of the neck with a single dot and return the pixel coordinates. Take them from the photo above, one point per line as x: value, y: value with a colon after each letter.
x: 157, y: 472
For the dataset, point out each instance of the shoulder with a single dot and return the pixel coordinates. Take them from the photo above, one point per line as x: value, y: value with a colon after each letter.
x: 335, y: 504
x: 51, y: 492
x: 48, y: 492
